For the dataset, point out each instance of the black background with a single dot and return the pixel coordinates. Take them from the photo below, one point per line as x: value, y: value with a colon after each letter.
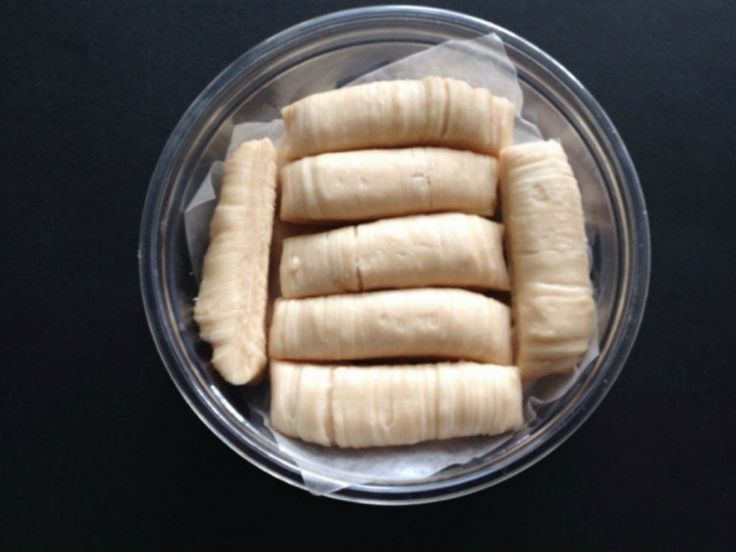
x: 98, y: 451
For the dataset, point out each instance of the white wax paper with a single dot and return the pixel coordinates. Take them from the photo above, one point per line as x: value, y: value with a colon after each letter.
x: 482, y: 62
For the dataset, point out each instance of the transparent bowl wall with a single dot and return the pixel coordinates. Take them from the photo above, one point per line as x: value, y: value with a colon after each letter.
x: 613, y: 203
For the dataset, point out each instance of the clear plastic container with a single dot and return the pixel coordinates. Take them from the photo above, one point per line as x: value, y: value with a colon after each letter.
x: 612, y: 198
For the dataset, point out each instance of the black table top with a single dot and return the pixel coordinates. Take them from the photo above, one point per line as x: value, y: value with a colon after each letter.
x: 98, y: 450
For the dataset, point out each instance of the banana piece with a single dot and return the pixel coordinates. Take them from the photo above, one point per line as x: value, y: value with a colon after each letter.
x: 370, y: 184
x: 320, y: 264
x: 359, y: 406
x: 448, y: 249
x: 432, y: 111
x: 552, y: 298
x: 445, y: 323
x: 553, y: 327
x: 301, y: 401
x: 231, y: 307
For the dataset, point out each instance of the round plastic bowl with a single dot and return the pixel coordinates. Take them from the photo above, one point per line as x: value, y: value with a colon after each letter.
x: 614, y: 208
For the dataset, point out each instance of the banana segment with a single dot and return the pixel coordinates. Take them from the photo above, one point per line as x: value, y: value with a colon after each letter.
x: 231, y: 307
x: 301, y: 397
x: 448, y: 249
x: 551, y: 290
x: 356, y: 406
x: 445, y: 323
x: 320, y: 264
x: 370, y: 184
x: 432, y: 111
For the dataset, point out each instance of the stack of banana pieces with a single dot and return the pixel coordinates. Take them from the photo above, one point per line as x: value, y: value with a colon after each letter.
x: 392, y: 327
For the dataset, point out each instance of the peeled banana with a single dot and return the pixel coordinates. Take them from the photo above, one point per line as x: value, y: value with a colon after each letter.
x: 445, y: 323
x: 552, y: 298
x: 370, y: 184
x: 357, y: 406
x: 231, y: 306
x: 449, y: 249
x: 431, y: 111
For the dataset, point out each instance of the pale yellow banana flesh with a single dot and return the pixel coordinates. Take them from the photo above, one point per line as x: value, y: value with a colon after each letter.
x: 231, y: 307
x: 551, y: 290
x: 357, y: 406
x: 370, y: 184
x: 427, y: 322
x: 432, y: 111
x: 449, y: 249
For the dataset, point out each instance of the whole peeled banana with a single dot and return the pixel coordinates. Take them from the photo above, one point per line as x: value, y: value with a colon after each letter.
x: 427, y: 322
x: 359, y: 406
x: 552, y: 300
x: 370, y: 184
x: 449, y: 249
x: 433, y: 111
x: 231, y: 307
